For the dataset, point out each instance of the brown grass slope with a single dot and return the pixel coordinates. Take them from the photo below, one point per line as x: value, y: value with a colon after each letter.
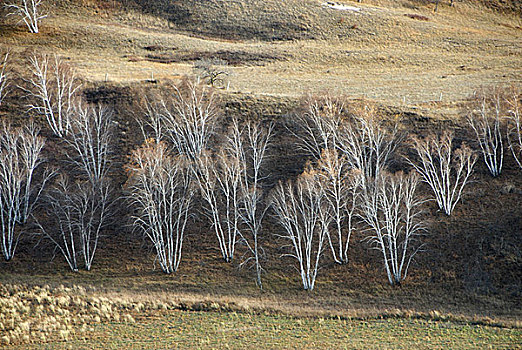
x: 281, y: 20
x: 379, y: 53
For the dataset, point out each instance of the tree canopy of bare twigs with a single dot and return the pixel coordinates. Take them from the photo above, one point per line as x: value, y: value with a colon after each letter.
x: 187, y: 118
x: 367, y: 145
x: 230, y: 184
x: 77, y: 214
x: 212, y: 71
x: 81, y: 210
x: 219, y: 179
x: 393, y: 215
x: 89, y: 138
x: 514, y: 133
x: 29, y: 12
x: 20, y: 157
x: 350, y: 147
x: 52, y: 89
x: 342, y: 186
x: 301, y: 208
x: 191, y: 120
x: 485, y: 119
x: 4, y: 76
x: 319, y: 125
x: 250, y: 143
x: 162, y: 192
x: 445, y: 170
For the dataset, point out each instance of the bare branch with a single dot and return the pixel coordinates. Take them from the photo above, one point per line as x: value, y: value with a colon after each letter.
x: 367, y: 146
x: 28, y: 11
x: 393, y: 216
x: 4, y: 77
x: 485, y: 120
x: 89, y: 137
x: 189, y: 117
x: 514, y: 133
x: 162, y: 193
x: 54, y: 87
x: 319, y: 126
x: 445, y: 171
x: 20, y: 156
x: 213, y: 71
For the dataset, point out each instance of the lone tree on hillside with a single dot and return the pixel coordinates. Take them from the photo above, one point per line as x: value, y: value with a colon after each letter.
x: 213, y: 71
x: 28, y: 11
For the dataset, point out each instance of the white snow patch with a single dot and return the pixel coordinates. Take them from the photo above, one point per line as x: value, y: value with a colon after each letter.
x: 336, y: 6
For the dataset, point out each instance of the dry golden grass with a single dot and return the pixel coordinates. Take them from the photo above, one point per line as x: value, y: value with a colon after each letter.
x: 386, y: 56
x: 40, y: 315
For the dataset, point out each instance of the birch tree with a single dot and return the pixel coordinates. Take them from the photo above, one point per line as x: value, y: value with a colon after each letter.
x: 350, y: 147
x: 189, y: 116
x: 367, y: 146
x: 342, y: 186
x: 186, y: 119
x: 319, y: 125
x: 77, y: 214
x: 485, y: 120
x: 162, y: 192
x: 445, y: 170
x: 29, y: 12
x: 20, y: 188
x: 250, y: 143
x: 4, y: 77
x: 89, y: 140
x: 53, y: 89
x: 219, y: 179
x: 514, y: 132
x: 83, y: 209
x: 300, y: 208
x: 393, y: 215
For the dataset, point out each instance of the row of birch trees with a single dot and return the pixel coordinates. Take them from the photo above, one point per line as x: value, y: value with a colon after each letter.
x: 191, y: 158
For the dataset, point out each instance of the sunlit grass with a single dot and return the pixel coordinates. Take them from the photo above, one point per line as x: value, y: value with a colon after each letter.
x: 184, y: 329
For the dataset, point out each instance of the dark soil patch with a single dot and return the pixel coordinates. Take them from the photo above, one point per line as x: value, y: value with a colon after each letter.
x: 106, y: 94
x: 233, y: 58
x: 155, y: 48
x: 417, y: 17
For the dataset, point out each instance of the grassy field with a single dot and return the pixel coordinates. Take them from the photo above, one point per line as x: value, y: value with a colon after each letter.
x: 211, y: 330
x: 85, y: 318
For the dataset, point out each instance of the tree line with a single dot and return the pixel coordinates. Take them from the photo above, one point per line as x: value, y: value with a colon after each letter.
x: 186, y: 159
